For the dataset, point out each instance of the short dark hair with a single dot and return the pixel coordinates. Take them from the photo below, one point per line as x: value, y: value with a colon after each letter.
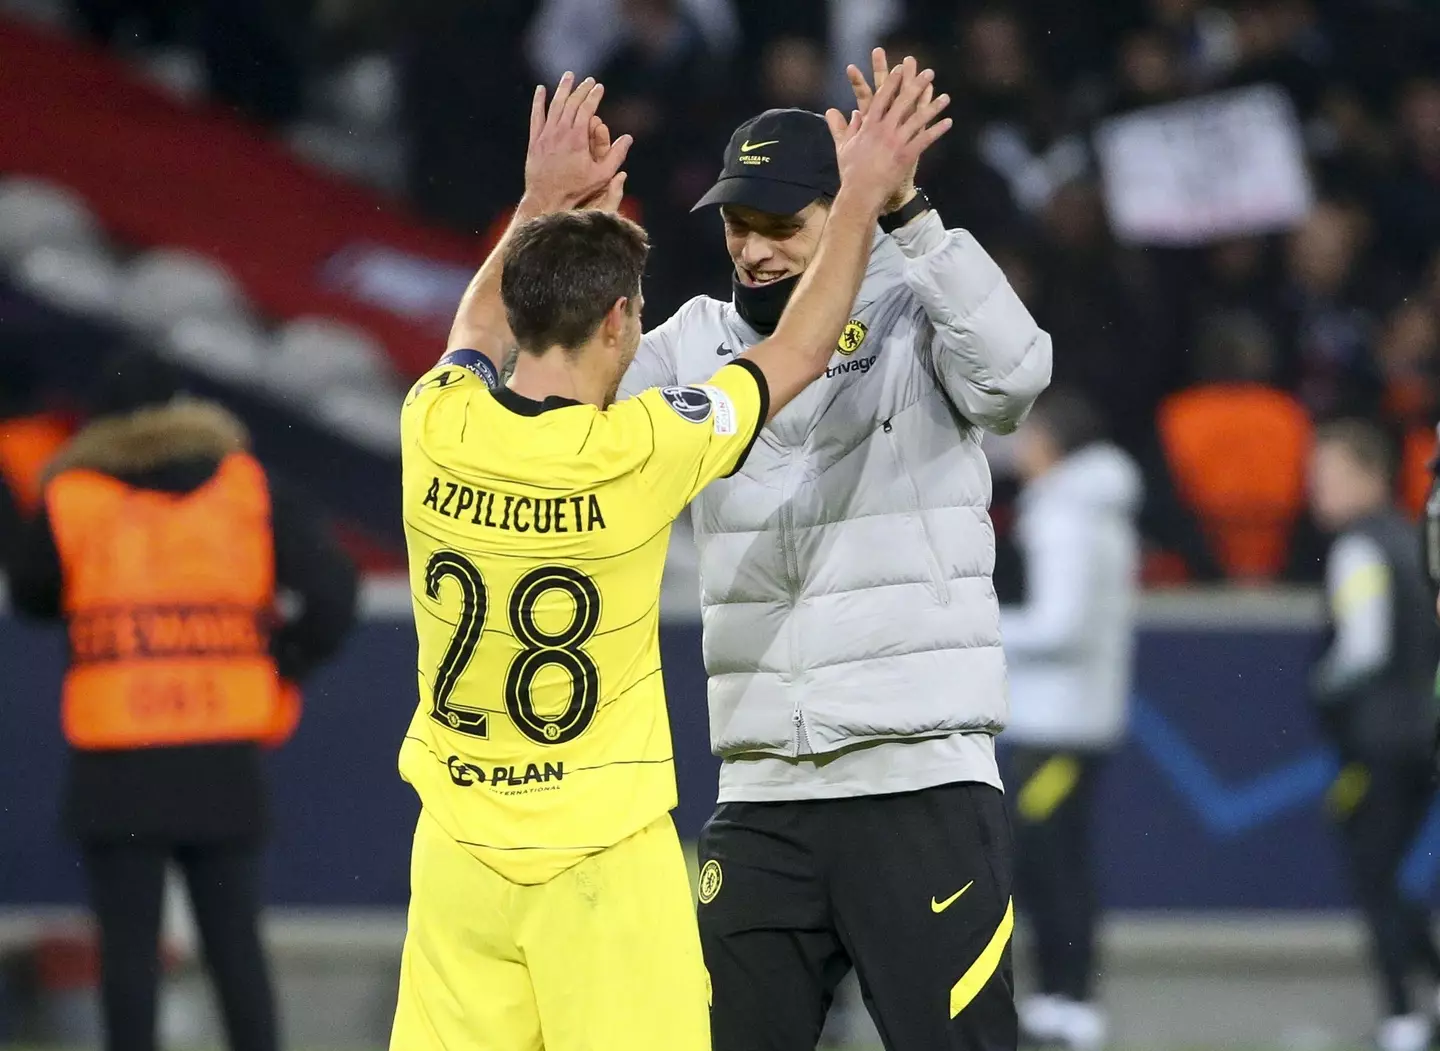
x: 1070, y: 419
x: 1366, y: 443
x: 564, y: 271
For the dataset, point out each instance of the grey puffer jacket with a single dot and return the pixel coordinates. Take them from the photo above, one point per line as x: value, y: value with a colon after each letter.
x: 845, y: 571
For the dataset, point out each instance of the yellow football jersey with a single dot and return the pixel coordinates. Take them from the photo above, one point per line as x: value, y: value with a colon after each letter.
x: 537, y: 534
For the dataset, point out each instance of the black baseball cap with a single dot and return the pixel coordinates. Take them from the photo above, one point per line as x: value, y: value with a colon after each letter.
x: 777, y: 162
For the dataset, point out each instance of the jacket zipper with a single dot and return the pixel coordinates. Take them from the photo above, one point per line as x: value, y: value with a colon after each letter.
x: 938, y: 587
x: 792, y: 586
x: 802, y: 735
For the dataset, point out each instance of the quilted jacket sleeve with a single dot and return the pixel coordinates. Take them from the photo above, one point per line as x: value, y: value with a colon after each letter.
x: 987, y: 352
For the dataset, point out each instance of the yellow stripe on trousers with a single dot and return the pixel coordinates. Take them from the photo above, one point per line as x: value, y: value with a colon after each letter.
x: 1047, y: 788
x: 1348, y: 790
x: 983, y: 969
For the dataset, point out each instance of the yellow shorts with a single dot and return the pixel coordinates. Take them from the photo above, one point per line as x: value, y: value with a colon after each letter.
x: 604, y: 956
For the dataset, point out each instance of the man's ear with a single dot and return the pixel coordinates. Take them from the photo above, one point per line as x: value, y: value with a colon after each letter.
x: 616, y: 318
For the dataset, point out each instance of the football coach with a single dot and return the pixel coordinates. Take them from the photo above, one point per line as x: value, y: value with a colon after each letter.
x: 851, y: 631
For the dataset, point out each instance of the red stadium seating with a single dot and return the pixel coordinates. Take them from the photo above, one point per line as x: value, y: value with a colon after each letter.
x: 158, y: 172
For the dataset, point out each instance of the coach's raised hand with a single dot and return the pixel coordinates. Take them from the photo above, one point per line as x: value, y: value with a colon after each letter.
x: 571, y: 161
x: 874, y: 154
x: 878, y: 150
x: 863, y: 97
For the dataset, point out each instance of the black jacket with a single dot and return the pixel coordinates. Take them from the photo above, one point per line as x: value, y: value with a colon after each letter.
x: 204, y: 792
x: 1390, y: 714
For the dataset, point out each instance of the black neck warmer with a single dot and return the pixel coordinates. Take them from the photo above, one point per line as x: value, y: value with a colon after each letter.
x: 762, y: 306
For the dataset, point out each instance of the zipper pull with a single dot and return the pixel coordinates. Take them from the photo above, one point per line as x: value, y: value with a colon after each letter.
x: 795, y: 717
x: 885, y: 426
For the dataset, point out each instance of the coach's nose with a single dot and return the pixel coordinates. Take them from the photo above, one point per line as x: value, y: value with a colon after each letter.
x: 756, y: 251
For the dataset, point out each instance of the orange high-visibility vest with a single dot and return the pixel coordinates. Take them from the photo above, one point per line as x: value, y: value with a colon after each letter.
x: 1237, y: 454
x: 169, y: 599
x: 27, y: 444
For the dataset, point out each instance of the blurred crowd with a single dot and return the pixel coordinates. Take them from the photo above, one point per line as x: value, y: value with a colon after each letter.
x: 1212, y: 359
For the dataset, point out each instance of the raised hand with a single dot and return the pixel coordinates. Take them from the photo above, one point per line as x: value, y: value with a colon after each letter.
x: 609, y: 198
x: 571, y: 161
x: 879, y: 151
x: 864, y: 95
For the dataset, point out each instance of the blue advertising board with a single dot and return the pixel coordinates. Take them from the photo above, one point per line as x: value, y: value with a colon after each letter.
x: 1215, y: 802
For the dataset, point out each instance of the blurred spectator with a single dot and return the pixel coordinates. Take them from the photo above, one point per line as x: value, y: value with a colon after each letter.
x: 1351, y: 147
x: 466, y: 117
x: 659, y: 62
x: 1283, y: 42
x: 1203, y: 36
x: 1328, y: 314
x: 793, y: 74
x: 1013, y: 113
x: 1233, y: 276
x: 1068, y: 648
x: 1149, y: 71
x: 1109, y: 310
x: 165, y: 549
x: 1409, y: 206
x: 661, y: 86
x: 1408, y: 353
x: 1373, y: 693
x: 1236, y: 448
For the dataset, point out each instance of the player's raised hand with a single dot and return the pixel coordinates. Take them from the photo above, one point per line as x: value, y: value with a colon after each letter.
x: 878, y: 152
x: 864, y: 94
x: 608, y: 199
x: 570, y: 161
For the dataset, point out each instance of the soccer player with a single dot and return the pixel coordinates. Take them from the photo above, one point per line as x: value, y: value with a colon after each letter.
x: 550, y: 905
x: 851, y: 630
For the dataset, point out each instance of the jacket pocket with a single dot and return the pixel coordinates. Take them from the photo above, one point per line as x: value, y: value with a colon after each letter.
x: 938, y: 587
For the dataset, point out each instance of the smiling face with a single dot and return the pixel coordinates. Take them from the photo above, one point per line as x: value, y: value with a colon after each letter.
x: 766, y: 248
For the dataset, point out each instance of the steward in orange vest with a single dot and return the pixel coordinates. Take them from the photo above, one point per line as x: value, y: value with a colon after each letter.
x: 162, y: 545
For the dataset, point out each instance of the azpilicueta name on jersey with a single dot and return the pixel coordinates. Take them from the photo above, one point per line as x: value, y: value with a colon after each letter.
x: 515, y: 514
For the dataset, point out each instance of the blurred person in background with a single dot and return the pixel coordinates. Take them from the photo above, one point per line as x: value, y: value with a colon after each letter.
x: 168, y: 552
x: 861, y: 821
x: 1235, y: 446
x: 1409, y: 206
x: 1068, y: 648
x: 1018, y: 121
x: 1089, y: 291
x: 1407, y: 354
x: 1373, y: 691
x: 460, y: 115
x: 1328, y: 313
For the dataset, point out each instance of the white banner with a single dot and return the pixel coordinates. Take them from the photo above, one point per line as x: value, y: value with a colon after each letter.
x: 1208, y: 168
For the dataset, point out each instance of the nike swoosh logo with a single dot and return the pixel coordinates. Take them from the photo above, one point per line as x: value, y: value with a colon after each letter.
x: 723, y: 350
x: 941, y: 906
x: 747, y: 145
